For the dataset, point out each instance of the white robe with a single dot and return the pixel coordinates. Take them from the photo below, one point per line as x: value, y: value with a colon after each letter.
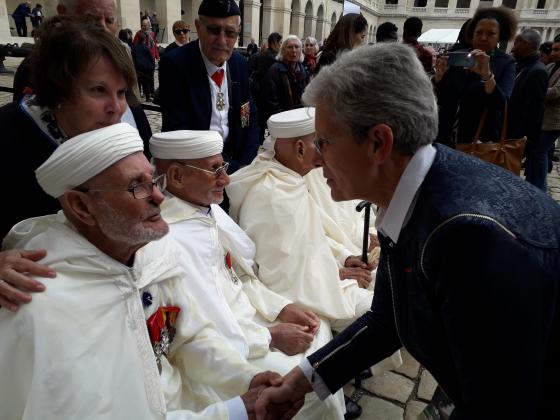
x: 81, y: 349
x: 241, y: 310
x: 299, y: 247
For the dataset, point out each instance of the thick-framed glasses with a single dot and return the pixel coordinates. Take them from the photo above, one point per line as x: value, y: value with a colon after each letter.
x: 216, y: 172
x: 216, y: 30
x: 140, y: 191
x: 181, y: 31
x: 319, y: 144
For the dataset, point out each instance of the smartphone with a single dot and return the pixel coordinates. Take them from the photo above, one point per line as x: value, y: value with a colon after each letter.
x: 460, y: 59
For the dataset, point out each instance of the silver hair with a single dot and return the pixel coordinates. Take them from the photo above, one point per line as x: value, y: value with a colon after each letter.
x: 531, y: 37
x: 383, y: 83
x: 313, y: 41
x: 72, y: 5
x: 284, y: 42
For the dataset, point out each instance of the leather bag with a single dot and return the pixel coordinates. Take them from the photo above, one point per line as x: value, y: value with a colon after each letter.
x: 507, y: 153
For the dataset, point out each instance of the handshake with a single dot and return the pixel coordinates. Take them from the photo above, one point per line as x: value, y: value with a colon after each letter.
x: 272, y: 397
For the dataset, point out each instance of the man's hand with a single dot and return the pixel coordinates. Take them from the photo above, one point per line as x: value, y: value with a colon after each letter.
x: 291, y: 392
x: 274, y: 412
x: 15, y: 268
x: 266, y: 378
x: 296, y: 315
x: 354, y: 261
x: 290, y: 338
x: 373, y: 242
x: 361, y: 275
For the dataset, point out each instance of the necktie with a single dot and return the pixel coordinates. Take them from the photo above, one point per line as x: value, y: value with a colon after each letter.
x: 218, y: 77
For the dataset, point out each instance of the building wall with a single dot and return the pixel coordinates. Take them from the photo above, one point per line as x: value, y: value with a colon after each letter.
x: 316, y: 17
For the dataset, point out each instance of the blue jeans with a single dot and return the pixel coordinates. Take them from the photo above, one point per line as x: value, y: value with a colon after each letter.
x: 536, y: 167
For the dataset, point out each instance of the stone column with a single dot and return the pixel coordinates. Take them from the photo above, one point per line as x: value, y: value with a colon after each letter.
x: 168, y: 11
x: 129, y: 14
x: 4, y: 23
x: 321, y: 25
x: 266, y: 23
x: 474, y: 6
x: 430, y: 6
x: 299, y: 21
x: 282, y: 17
x: 451, y: 6
x: 251, y: 21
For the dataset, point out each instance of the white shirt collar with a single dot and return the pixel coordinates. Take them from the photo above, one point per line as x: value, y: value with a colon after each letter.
x: 211, y: 68
x: 391, y: 221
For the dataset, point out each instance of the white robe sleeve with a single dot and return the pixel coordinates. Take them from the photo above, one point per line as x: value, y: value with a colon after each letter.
x: 268, y: 303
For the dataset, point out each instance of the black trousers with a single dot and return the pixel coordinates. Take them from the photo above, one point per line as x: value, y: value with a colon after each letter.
x: 21, y: 27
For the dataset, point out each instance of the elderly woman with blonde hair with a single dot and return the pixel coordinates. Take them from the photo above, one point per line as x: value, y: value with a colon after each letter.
x: 286, y: 80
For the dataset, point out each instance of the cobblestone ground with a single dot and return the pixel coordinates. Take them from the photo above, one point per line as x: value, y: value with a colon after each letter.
x: 397, y: 395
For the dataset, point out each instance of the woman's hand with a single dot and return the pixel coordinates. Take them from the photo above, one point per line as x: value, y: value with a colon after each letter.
x: 441, y: 67
x: 481, y: 64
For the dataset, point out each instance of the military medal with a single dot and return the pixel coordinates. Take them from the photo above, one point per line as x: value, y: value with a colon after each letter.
x: 161, y: 328
x: 229, y: 266
x: 220, y: 101
x: 245, y: 114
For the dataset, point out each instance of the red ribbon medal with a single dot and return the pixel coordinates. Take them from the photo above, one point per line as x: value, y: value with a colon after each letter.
x: 161, y: 328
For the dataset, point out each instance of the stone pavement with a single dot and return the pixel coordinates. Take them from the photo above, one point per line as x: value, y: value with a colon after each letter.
x: 397, y: 395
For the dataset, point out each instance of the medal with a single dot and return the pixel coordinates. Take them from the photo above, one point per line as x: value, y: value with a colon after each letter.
x: 229, y: 266
x: 220, y: 101
x: 161, y: 328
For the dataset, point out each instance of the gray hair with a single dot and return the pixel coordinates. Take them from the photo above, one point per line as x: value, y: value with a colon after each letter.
x: 383, y: 83
x: 312, y: 41
x: 531, y: 37
x: 279, y: 57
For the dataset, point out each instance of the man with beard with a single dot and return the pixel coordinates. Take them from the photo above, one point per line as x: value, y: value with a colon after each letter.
x: 115, y: 335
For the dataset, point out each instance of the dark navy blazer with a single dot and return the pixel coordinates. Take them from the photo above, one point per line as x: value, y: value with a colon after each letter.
x: 186, y: 101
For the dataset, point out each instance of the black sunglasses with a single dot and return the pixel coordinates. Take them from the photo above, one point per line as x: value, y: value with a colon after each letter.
x: 181, y: 31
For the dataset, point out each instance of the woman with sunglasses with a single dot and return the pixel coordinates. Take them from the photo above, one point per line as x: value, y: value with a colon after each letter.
x: 181, y: 33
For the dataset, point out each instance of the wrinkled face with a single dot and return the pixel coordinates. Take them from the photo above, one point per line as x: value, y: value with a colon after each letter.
x: 98, y: 100
x: 200, y: 187
x: 217, y: 37
x: 344, y: 161
x: 520, y: 49
x: 555, y: 53
x: 358, y: 39
x: 103, y: 11
x: 309, y: 48
x: 291, y: 51
x: 121, y: 218
x: 486, y: 35
x: 181, y: 35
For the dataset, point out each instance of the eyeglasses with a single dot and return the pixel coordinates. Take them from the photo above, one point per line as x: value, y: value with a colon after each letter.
x: 216, y: 30
x: 139, y: 191
x: 181, y: 31
x: 216, y: 172
x: 319, y: 143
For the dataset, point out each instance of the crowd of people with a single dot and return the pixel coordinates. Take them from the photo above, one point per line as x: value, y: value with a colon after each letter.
x: 202, y: 272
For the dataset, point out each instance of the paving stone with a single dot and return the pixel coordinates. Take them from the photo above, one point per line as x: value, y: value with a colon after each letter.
x: 390, y: 385
x: 427, y: 386
x: 413, y: 409
x: 410, y: 366
x: 378, y: 409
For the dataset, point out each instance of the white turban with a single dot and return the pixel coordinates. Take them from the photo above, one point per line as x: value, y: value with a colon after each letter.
x: 82, y: 157
x: 289, y: 124
x: 186, y: 144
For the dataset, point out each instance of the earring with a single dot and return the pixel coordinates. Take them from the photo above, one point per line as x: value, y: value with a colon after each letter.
x: 58, y: 106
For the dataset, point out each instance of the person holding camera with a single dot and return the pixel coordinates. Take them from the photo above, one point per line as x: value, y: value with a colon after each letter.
x: 471, y: 82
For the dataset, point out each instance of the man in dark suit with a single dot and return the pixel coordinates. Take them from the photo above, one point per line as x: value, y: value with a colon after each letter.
x: 205, y: 86
x: 527, y: 102
x: 469, y: 274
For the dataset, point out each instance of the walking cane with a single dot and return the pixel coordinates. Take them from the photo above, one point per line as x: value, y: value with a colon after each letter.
x: 365, y: 245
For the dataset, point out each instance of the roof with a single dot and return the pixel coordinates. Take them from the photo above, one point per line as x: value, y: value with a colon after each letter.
x: 439, y: 36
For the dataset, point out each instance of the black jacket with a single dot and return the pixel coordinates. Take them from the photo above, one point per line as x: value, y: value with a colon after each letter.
x: 472, y: 290
x: 527, y: 102
x: 186, y: 101
x: 142, y: 57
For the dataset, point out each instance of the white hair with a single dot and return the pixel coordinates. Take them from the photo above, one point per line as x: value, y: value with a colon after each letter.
x: 312, y: 41
x: 280, y: 57
x: 531, y: 37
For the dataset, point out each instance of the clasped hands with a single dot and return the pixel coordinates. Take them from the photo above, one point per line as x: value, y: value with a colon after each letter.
x: 274, y: 397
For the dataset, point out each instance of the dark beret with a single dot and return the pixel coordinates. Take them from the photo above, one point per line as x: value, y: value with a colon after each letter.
x: 219, y: 8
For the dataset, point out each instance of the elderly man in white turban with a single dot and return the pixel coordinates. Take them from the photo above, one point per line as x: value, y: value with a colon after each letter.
x: 115, y: 334
x: 218, y: 260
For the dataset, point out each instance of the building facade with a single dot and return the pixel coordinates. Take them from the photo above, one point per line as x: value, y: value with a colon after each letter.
x: 314, y: 17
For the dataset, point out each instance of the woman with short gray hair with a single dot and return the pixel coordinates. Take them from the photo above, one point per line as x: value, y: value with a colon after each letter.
x: 310, y: 50
x: 285, y: 81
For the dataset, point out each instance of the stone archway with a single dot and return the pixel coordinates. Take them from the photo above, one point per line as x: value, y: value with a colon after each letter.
x: 333, y: 21
x: 308, y: 25
x: 320, y: 29
x: 296, y: 19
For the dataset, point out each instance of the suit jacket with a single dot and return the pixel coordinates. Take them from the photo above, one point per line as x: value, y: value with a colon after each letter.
x: 527, y: 102
x: 187, y: 105
x: 472, y: 290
